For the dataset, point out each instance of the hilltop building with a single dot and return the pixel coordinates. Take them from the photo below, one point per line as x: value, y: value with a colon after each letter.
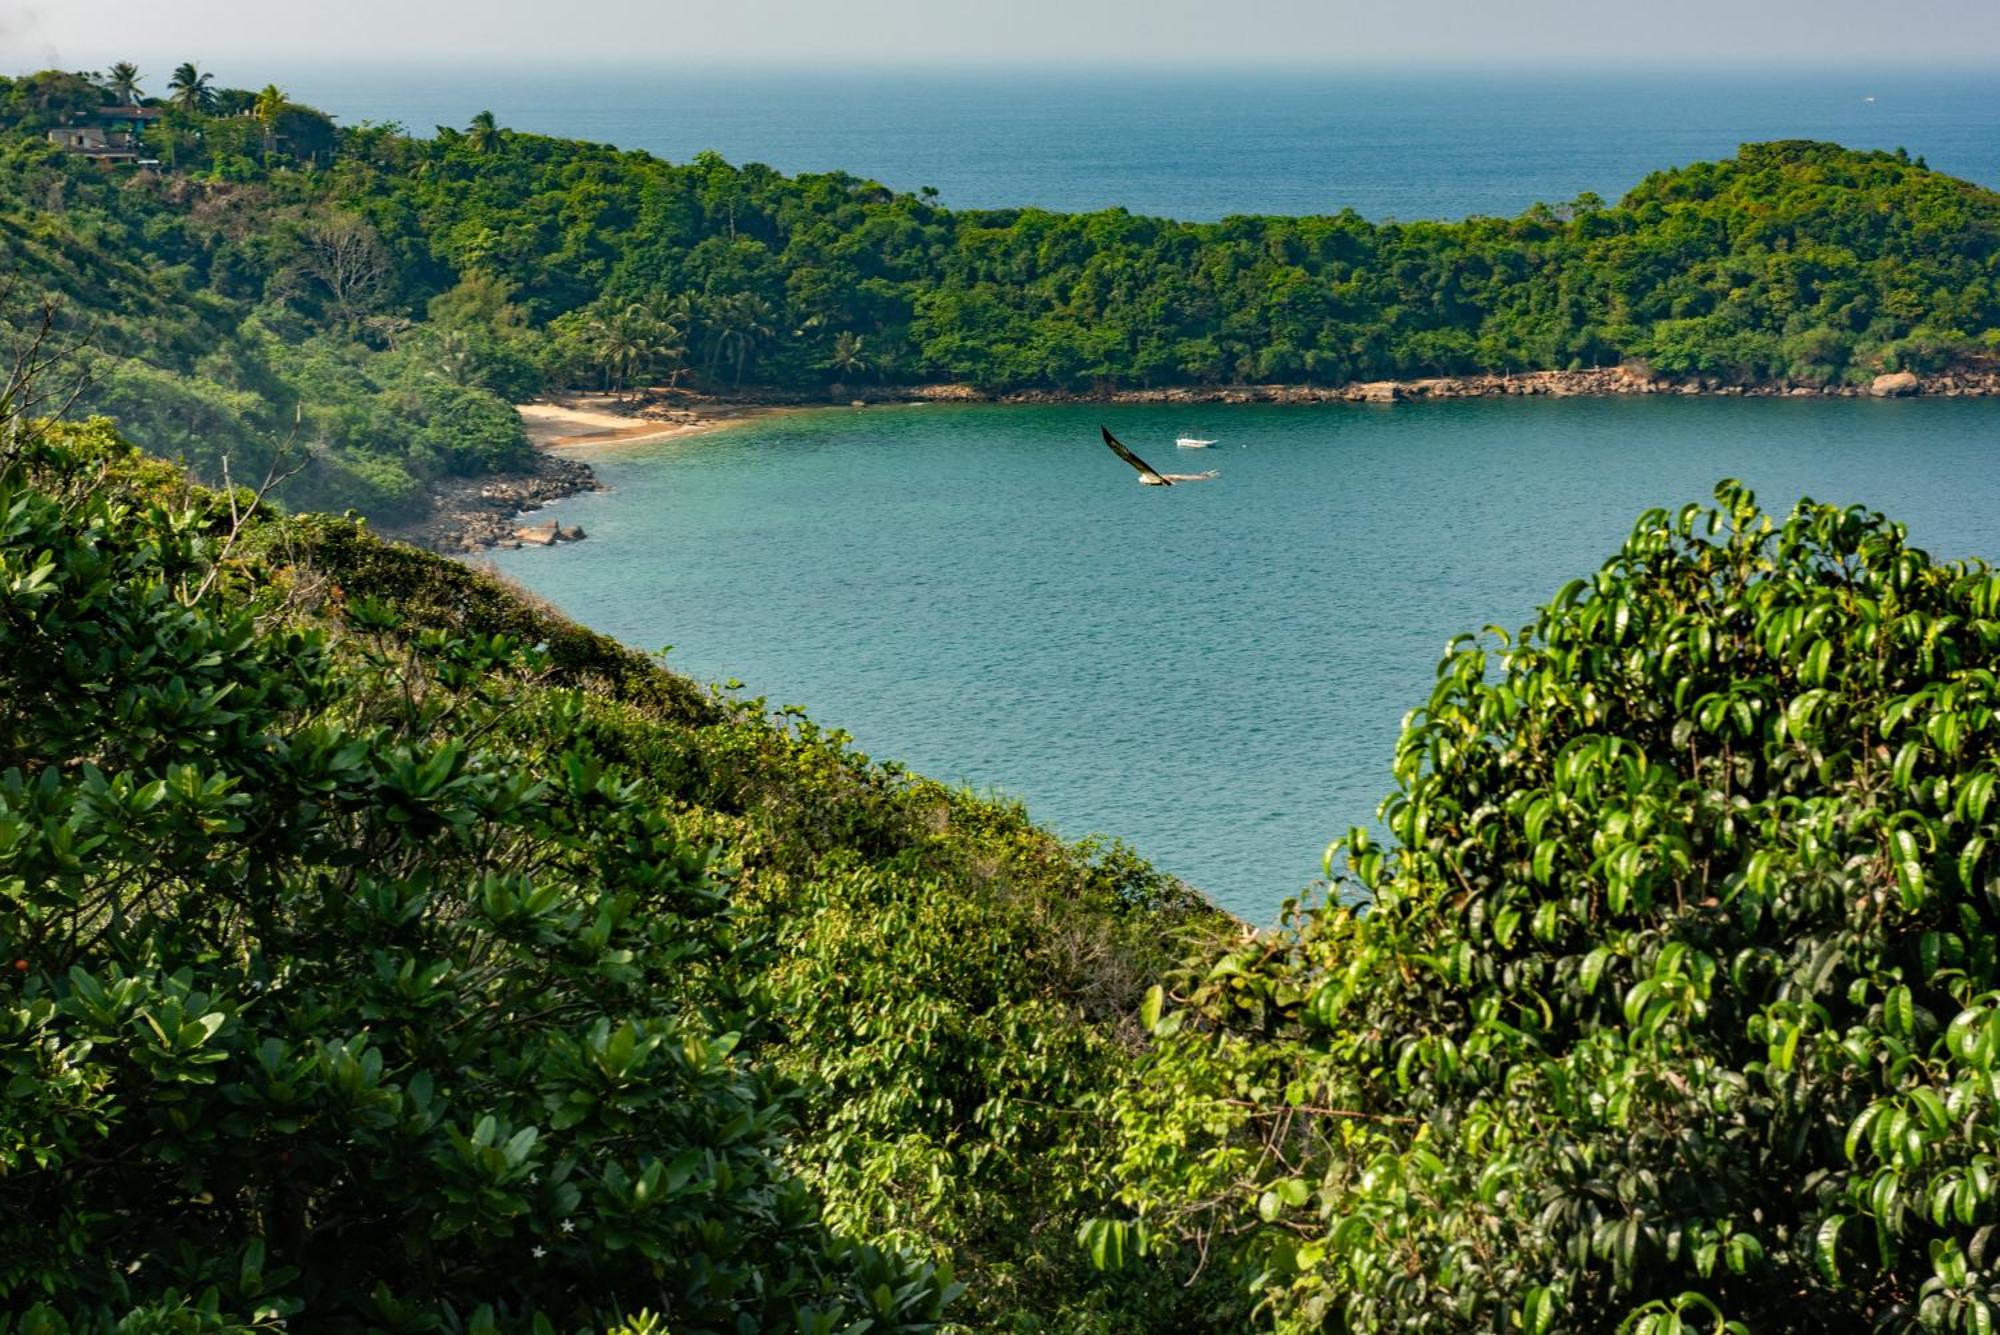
x: 113, y: 137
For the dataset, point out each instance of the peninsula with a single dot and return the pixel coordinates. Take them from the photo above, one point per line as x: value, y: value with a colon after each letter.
x: 245, y: 274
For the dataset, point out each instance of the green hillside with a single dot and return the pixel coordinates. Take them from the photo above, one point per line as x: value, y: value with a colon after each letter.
x: 381, y: 295
x: 380, y: 951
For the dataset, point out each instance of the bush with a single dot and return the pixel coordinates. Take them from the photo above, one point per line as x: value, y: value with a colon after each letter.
x: 469, y: 430
x: 1678, y: 991
x: 328, y: 997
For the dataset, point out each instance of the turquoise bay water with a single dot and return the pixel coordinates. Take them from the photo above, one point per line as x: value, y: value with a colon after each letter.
x: 1200, y: 145
x: 1215, y: 673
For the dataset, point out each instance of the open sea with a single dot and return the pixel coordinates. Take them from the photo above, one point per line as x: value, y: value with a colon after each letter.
x: 1213, y: 673
x: 1201, y: 145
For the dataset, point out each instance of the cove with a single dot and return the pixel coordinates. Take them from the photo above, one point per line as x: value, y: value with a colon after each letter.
x: 1214, y: 673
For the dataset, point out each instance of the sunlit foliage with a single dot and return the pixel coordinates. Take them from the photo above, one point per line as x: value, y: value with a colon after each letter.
x: 1677, y: 978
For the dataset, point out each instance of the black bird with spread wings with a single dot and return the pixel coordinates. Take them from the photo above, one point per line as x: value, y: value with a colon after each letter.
x: 1149, y: 475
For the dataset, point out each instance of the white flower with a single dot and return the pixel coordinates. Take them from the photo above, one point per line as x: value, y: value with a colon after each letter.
x: 569, y: 1226
x: 540, y: 1252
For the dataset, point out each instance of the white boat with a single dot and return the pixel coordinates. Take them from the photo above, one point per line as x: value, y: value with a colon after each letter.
x: 1190, y: 443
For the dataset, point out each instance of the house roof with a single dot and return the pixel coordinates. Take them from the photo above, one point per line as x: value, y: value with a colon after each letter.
x: 129, y: 113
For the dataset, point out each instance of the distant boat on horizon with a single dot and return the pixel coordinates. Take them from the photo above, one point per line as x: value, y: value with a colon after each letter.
x: 1192, y: 443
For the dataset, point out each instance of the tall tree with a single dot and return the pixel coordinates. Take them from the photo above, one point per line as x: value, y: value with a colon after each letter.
x: 190, y: 89
x: 742, y: 324
x: 484, y: 134
x: 270, y: 104
x: 123, y: 81
x: 345, y: 256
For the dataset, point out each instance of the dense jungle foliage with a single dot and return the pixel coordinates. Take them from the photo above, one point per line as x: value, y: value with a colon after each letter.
x: 379, y: 951
x: 1677, y: 996
x: 386, y: 293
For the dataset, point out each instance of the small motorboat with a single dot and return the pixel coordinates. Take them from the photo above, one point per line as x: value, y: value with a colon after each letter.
x: 1148, y: 475
x: 1190, y: 443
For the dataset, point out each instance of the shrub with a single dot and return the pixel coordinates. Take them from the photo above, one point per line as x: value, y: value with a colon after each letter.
x: 1676, y: 992
x: 325, y: 996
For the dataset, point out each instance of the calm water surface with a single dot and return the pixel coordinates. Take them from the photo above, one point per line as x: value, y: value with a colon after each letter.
x: 1214, y: 673
x: 1201, y: 145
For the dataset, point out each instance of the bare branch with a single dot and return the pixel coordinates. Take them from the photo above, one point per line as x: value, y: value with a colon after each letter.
x: 239, y: 518
x: 41, y: 374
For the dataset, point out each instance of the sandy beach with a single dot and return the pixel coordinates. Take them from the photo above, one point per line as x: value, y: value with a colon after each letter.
x: 603, y: 420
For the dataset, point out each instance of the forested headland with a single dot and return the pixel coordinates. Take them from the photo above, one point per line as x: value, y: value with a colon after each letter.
x: 385, y: 294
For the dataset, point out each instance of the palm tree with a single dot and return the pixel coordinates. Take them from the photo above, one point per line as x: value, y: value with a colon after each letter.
x: 190, y: 88
x: 847, y: 356
x: 665, y: 324
x: 484, y: 134
x: 753, y: 327
x: 619, y: 346
x: 742, y: 320
x: 270, y: 104
x: 123, y: 81
x: 632, y: 343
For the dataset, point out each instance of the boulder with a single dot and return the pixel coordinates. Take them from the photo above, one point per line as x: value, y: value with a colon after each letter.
x: 574, y: 533
x: 1383, y: 391
x: 1895, y: 385
x: 537, y: 535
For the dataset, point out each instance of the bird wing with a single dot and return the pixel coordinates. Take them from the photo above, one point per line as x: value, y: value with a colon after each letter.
x: 1118, y: 448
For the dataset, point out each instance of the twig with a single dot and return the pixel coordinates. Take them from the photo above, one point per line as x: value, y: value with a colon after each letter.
x: 240, y: 517
x: 1351, y: 1113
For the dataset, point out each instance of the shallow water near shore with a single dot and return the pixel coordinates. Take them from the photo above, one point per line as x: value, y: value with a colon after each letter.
x: 1215, y: 673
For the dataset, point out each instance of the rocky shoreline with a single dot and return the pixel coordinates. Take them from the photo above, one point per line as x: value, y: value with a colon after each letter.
x: 1556, y: 384
x: 470, y: 515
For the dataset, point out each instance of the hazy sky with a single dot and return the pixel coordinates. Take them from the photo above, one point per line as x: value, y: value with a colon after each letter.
x: 224, y: 33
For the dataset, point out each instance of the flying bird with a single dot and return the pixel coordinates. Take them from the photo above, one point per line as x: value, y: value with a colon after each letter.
x: 1149, y: 475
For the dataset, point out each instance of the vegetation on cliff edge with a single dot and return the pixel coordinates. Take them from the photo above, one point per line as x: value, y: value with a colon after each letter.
x: 383, y: 952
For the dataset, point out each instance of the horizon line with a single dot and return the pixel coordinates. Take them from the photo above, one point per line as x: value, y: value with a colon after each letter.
x: 1179, y: 67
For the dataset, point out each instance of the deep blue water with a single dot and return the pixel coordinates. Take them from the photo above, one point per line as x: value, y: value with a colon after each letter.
x: 1203, y: 146
x: 1215, y: 673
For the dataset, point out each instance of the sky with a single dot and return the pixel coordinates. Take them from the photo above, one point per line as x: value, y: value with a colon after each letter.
x: 86, y: 34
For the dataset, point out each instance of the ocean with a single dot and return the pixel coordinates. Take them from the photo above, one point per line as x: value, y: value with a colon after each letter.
x: 1200, y: 145
x: 1214, y: 673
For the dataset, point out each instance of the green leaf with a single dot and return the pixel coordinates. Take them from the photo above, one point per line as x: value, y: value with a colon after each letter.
x: 1149, y: 1009
x: 1826, y: 1246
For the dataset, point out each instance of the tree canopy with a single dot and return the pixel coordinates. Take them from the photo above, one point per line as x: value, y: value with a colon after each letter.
x: 1673, y: 996
x: 276, y: 264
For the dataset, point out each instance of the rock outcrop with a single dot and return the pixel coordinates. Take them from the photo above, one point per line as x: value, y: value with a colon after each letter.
x: 1895, y: 385
x: 472, y: 514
